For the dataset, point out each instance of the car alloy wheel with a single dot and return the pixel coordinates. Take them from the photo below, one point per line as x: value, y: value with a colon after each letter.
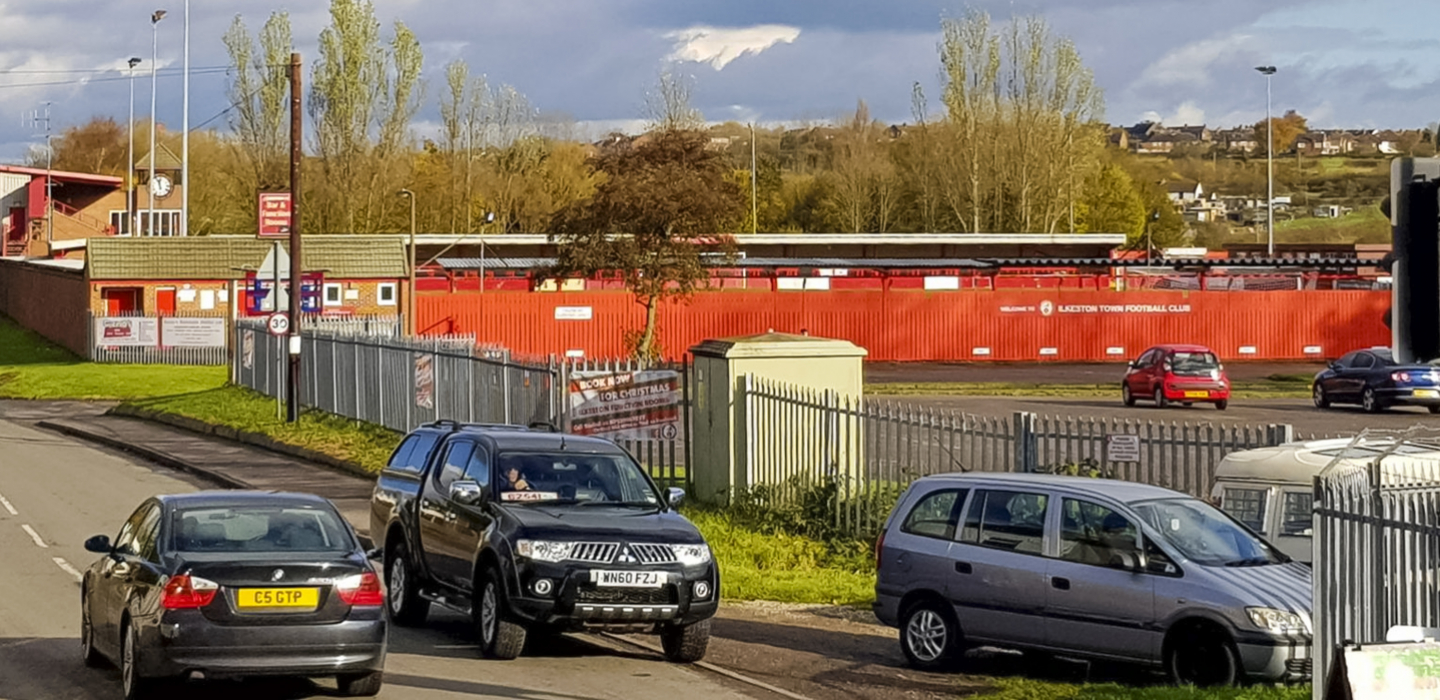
x: 1160, y: 401
x: 1321, y: 400
x: 926, y: 635
x: 87, y: 635
x: 1369, y: 402
x: 1126, y: 395
x: 489, y: 614
x: 132, y: 685
x: 398, y: 586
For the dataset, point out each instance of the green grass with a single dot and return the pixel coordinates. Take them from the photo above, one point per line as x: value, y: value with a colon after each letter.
x: 1023, y: 689
x: 1278, y: 386
x: 758, y: 565
x: 1364, y: 225
x: 32, y: 367
x: 242, y: 409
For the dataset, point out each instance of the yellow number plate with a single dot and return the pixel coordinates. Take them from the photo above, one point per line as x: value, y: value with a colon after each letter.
x: 1427, y: 394
x: 1197, y: 394
x: 287, y: 598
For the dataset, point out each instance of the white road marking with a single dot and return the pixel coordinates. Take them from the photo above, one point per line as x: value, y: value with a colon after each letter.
x: 8, y: 507
x: 65, y: 566
x: 35, y: 536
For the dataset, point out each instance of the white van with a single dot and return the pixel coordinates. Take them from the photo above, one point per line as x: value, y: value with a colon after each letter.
x: 1271, y: 489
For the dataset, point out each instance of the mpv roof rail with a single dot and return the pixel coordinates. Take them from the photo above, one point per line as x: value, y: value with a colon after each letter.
x: 454, y: 426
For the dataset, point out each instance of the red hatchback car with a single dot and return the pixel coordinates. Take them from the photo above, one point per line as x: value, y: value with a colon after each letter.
x: 1184, y: 374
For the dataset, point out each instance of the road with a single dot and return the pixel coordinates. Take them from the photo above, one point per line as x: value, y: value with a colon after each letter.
x: 1053, y: 372
x: 56, y: 493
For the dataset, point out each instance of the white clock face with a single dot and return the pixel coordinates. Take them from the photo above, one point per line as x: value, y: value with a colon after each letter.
x: 160, y: 186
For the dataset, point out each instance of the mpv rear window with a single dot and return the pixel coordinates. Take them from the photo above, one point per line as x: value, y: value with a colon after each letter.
x: 936, y: 514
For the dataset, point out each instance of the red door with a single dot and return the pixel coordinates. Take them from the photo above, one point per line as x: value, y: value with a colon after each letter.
x: 120, y: 301
x: 165, y: 301
x: 15, y: 232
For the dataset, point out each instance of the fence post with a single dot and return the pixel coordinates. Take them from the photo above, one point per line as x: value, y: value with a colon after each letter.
x: 1281, y: 434
x: 1026, y: 447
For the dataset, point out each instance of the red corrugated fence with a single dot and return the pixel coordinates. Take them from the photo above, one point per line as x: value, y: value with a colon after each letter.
x: 1067, y: 326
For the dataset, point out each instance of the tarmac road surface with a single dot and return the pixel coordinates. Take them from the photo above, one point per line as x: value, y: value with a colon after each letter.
x: 54, y: 493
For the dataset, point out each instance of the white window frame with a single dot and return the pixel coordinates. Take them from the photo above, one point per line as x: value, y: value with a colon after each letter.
x: 394, y: 293
x: 169, y: 222
x: 339, y: 290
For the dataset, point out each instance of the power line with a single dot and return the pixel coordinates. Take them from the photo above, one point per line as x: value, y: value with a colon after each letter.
x: 90, y: 70
x: 87, y: 81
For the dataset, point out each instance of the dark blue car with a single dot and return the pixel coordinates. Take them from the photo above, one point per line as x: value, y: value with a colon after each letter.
x: 1374, y: 380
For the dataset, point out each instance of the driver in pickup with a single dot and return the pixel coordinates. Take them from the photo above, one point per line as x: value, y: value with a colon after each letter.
x: 515, y: 481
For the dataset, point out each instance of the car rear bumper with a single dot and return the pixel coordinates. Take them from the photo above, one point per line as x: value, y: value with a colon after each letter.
x: 1408, y: 396
x: 887, y: 609
x: 1207, y: 392
x: 1276, y: 661
x: 189, y: 643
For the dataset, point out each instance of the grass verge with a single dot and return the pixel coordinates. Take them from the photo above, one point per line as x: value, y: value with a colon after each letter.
x: 32, y: 367
x: 1277, y: 386
x: 242, y: 409
x: 1023, y: 689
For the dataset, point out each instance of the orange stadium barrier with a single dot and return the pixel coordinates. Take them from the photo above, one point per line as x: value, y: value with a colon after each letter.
x: 913, y: 325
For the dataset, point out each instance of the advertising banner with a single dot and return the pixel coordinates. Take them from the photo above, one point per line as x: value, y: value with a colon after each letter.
x: 626, y: 405
x: 274, y: 215
x: 193, y: 332
x: 424, y: 380
x: 127, y: 332
x: 247, y: 349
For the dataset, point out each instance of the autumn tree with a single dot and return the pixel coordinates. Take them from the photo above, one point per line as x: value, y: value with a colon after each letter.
x: 662, y: 204
x: 1286, y: 131
x: 1112, y: 205
x: 363, y: 95
x: 865, y: 190
x: 97, y: 146
x: 260, y: 95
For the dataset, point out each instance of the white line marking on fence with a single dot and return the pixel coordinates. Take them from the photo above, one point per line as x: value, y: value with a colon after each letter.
x: 35, y: 536
x: 7, y: 505
x: 65, y: 566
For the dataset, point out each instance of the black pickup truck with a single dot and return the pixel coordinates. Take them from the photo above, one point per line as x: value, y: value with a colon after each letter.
x: 535, y: 532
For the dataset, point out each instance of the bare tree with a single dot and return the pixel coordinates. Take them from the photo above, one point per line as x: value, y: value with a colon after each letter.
x: 668, y: 104
x: 260, y: 91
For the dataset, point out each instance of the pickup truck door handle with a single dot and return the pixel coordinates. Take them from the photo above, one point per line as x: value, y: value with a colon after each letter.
x: 1060, y: 583
x: 962, y: 567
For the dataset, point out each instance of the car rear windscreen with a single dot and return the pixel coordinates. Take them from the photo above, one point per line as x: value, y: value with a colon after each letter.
x: 259, y: 529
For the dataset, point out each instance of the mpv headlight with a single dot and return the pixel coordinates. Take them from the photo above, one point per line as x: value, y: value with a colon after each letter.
x: 541, y: 550
x: 691, y: 554
x: 1277, y: 621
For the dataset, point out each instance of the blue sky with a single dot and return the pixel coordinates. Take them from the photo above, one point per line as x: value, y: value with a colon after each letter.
x: 1342, y: 63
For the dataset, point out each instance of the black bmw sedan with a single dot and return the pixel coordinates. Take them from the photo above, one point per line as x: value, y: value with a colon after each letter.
x: 233, y: 584
x: 1374, y: 380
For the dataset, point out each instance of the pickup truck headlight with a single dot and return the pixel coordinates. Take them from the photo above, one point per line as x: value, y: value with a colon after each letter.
x: 691, y: 554
x: 1276, y: 621
x: 541, y: 550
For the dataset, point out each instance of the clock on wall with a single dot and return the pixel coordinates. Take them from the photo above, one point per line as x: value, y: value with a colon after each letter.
x: 160, y: 186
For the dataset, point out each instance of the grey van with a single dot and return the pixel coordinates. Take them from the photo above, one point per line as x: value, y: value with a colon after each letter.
x: 1090, y: 568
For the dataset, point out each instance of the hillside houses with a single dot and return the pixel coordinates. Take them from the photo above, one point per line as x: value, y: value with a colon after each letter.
x: 1157, y: 138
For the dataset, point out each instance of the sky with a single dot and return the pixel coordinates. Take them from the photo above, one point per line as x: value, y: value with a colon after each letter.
x: 1341, y: 63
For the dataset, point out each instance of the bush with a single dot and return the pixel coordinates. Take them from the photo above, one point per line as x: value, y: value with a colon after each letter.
x: 831, y: 509
x: 1087, y: 467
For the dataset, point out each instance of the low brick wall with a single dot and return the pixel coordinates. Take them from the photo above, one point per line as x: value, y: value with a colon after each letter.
x: 49, y: 301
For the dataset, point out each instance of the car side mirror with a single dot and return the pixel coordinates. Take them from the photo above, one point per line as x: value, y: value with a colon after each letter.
x: 99, y: 544
x: 674, y: 497
x: 467, y: 493
x: 1131, y: 364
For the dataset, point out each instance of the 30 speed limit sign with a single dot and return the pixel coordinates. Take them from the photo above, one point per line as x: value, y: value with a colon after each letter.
x: 279, y: 324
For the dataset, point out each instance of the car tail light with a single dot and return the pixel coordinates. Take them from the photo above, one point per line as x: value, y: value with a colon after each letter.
x: 361, y: 589
x: 186, y: 591
x: 879, y: 549
x: 1400, y: 376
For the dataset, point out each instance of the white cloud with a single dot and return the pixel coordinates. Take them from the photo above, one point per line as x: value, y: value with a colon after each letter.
x: 1189, y: 65
x: 718, y: 46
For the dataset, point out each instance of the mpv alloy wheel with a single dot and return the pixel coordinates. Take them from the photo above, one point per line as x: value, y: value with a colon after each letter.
x: 1205, y: 660
x: 929, y: 638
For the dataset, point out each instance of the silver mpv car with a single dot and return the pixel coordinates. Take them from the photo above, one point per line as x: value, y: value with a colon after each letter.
x: 1090, y: 568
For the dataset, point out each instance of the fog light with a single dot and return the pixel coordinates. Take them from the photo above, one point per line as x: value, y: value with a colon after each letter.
x: 702, y: 590
x: 542, y: 586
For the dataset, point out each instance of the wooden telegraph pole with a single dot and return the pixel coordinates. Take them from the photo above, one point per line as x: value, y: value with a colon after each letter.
x: 297, y: 126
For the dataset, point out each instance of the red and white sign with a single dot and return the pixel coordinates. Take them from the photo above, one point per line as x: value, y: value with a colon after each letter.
x: 279, y: 324
x: 626, y: 405
x: 274, y: 215
x: 1050, y: 308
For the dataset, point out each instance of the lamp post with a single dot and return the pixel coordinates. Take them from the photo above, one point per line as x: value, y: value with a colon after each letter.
x: 130, y: 156
x: 754, y: 202
x: 1268, y: 71
x: 155, y: 18
x: 185, y: 132
x: 410, y: 293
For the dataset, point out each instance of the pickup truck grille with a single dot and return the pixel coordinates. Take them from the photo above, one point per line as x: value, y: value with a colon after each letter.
x: 623, y: 596
x: 653, y: 553
x: 594, y: 552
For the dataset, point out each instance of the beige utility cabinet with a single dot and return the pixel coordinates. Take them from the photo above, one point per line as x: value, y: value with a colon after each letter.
x: 722, y: 451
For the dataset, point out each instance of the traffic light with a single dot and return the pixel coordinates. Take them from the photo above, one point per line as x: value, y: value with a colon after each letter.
x: 1415, y: 320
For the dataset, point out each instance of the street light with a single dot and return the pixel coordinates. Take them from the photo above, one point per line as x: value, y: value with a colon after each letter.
x: 130, y: 156
x: 155, y: 18
x: 410, y: 293
x: 1268, y: 71
x: 185, y: 132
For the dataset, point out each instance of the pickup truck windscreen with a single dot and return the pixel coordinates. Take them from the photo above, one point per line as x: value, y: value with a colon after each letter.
x: 561, y: 478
